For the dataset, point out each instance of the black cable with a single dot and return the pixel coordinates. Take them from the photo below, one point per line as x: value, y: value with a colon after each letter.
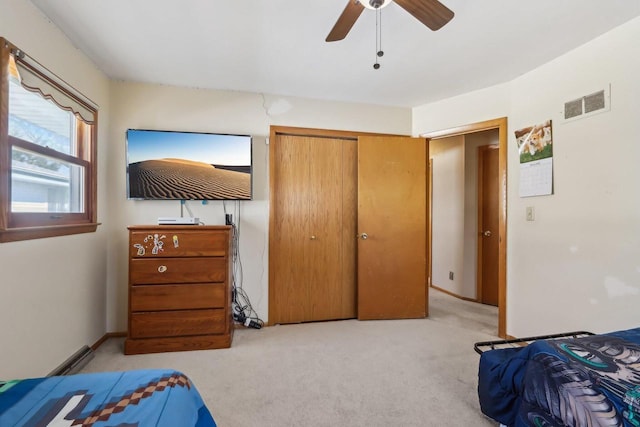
x: 243, y: 311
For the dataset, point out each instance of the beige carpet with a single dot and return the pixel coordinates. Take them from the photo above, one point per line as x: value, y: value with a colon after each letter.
x: 469, y: 315
x: 344, y: 373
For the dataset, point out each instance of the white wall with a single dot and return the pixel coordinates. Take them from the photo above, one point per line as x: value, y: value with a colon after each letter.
x: 577, y: 265
x: 52, y: 290
x: 171, y: 108
x: 478, y: 106
x: 447, y: 240
x: 587, y: 235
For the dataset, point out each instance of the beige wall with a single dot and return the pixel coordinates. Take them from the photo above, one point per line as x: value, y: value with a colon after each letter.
x: 163, y: 107
x: 52, y: 291
x: 484, y: 104
x: 576, y: 266
x: 447, y: 241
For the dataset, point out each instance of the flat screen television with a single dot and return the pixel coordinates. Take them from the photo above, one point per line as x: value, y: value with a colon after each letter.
x: 171, y: 165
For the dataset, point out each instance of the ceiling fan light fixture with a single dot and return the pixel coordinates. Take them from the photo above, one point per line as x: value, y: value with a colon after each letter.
x: 374, y: 4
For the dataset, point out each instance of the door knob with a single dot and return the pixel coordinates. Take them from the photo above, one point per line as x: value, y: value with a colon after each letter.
x: 313, y: 237
x: 363, y: 236
x: 487, y: 233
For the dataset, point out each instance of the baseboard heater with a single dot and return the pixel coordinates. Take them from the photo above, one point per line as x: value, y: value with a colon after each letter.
x: 74, y: 363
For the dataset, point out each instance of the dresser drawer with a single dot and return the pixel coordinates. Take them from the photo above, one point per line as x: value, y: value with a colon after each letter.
x: 177, y: 270
x: 177, y: 297
x: 177, y: 243
x: 177, y: 323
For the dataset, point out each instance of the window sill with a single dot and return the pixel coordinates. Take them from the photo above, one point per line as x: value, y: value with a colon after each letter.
x: 31, y: 233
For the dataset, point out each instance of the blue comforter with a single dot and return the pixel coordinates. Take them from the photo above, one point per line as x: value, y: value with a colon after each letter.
x: 588, y: 381
x: 132, y: 398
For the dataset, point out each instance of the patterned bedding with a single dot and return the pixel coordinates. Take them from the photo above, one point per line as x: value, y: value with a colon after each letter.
x: 131, y: 398
x: 586, y: 381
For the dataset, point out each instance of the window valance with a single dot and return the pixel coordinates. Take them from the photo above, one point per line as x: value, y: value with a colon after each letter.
x: 35, y: 78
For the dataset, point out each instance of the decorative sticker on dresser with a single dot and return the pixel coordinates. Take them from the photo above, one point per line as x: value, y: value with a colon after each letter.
x: 157, y: 244
x: 140, y: 249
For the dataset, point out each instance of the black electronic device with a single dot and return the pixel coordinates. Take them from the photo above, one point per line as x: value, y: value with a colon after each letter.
x: 172, y: 165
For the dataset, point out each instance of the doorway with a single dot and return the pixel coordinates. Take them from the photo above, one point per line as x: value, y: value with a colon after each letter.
x: 472, y: 131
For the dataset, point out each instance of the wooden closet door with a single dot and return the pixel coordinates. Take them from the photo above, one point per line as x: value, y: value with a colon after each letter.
x: 312, y: 249
x: 289, y: 244
x: 349, y: 246
x: 325, y: 209
x: 392, y: 211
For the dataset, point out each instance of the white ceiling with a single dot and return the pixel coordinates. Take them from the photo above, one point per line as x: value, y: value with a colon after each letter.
x: 278, y: 47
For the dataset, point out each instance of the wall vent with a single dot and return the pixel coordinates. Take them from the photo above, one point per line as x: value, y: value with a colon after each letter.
x: 74, y: 363
x: 573, y: 109
x: 587, y: 105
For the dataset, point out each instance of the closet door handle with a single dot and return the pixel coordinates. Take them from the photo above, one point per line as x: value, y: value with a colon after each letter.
x: 363, y: 236
x: 313, y: 237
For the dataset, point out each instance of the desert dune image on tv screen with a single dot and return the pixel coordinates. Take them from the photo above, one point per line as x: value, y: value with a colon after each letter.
x: 188, y: 166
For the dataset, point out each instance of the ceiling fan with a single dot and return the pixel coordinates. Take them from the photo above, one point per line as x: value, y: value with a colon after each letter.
x: 431, y: 13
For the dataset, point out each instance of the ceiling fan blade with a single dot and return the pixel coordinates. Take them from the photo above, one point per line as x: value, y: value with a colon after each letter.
x: 431, y: 13
x: 344, y: 23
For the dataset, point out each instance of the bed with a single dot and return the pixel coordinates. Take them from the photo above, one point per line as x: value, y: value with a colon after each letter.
x: 131, y: 398
x: 572, y: 379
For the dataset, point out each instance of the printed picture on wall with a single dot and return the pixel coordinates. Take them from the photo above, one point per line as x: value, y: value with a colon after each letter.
x: 535, y: 147
x: 535, y: 142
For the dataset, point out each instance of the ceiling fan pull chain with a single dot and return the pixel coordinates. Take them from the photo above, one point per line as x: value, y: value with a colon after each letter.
x: 379, y: 51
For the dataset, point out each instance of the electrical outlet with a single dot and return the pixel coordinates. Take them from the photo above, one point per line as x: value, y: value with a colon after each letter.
x: 531, y: 213
x: 451, y: 275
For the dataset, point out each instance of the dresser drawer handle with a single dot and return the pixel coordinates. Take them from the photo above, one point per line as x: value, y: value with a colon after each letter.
x: 162, y: 269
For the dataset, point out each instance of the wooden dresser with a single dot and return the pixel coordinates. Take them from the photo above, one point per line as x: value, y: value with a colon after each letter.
x: 180, y: 280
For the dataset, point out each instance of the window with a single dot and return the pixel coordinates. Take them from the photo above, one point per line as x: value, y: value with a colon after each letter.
x: 47, y: 152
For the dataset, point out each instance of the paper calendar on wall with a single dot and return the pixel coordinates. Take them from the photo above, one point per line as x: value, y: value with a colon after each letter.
x: 535, y: 148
